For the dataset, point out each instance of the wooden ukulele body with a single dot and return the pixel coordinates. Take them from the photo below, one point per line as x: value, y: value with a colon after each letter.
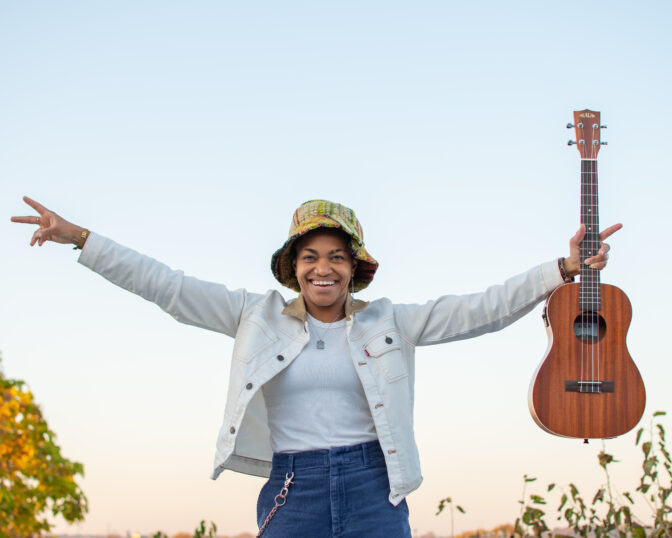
x: 587, y: 385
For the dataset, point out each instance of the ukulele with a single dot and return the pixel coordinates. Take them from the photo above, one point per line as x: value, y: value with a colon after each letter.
x: 587, y: 385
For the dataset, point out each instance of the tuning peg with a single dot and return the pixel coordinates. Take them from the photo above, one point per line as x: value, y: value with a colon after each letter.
x: 571, y: 142
x: 570, y: 125
x: 604, y: 143
x: 603, y: 126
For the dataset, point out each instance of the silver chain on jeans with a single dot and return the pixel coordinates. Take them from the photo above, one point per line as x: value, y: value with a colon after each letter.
x: 280, y: 500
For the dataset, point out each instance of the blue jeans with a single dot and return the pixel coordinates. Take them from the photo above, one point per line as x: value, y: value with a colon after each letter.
x: 337, y: 493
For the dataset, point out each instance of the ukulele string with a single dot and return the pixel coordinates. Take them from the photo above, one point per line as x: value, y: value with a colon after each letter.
x: 594, y: 292
x: 596, y: 240
x: 589, y: 273
x: 582, y: 288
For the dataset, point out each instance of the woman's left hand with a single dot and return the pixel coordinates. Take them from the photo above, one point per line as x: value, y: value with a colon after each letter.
x: 598, y: 261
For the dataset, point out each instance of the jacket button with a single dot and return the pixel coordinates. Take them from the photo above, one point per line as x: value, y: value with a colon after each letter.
x: 280, y: 358
x: 232, y: 429
x: 391, y: 451
x: 388, y: 340
x: 378, y: 405
x: 248, y: 386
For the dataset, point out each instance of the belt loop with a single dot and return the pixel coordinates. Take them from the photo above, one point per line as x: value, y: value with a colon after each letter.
x: 291, y: 463
x: 364, y: 455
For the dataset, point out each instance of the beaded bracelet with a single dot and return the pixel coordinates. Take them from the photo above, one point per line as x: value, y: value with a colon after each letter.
x: 565, y: 277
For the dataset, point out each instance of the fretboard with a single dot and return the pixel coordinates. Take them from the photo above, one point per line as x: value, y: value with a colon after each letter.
x: 589, y: 288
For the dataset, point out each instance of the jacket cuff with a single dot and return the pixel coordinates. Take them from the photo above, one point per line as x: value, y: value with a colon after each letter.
x: 550, y: 274
x: 92, y: 249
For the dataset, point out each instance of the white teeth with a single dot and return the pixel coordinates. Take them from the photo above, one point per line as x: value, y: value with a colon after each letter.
x: 323, y: 282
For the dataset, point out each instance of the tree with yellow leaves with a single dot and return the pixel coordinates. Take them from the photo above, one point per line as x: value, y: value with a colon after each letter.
x: 35, y: 479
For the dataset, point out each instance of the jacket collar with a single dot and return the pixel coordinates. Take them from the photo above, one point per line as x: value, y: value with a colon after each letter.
x: 297, y: 308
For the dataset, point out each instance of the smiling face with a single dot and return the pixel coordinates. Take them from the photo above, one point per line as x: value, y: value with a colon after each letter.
x: 324, y: 267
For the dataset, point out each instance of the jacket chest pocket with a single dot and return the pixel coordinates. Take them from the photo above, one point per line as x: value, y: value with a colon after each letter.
x: 385, y: 349
x: 253, y: 337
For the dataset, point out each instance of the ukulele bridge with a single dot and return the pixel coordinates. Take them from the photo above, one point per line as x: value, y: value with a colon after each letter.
x: 589, y: 386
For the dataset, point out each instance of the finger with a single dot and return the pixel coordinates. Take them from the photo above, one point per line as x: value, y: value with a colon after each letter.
x: 35, y: 238
x: 578, y: 236
x: 612, y: 229
x: 26, y: 220
x: 599, y: 261
x: 35, y: 205
x: 596, y: 260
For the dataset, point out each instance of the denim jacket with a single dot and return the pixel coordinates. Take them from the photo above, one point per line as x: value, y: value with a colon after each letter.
x: 269, y: 334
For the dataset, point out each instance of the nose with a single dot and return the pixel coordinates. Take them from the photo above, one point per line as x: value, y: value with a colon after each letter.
x: 322, y: 267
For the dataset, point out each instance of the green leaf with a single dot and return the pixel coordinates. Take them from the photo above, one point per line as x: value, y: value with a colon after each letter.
x: 649, y: 466
x: 460, y: 508
x: 550, y: 487
x: 604, y: 459
x: 646, y: 448
x: 574, y: 491
x: 659, y: 413
x: 599, y: 496
x: 529, y: 478
x: 563, y: 501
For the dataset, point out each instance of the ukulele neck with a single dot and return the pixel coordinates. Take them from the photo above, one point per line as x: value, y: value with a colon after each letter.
x: 589, y: 287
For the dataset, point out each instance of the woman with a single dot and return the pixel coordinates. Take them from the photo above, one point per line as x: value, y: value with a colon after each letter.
x: 321, y: 388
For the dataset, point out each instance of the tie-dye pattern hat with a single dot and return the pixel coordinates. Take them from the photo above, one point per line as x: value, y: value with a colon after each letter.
x: 316, y: 214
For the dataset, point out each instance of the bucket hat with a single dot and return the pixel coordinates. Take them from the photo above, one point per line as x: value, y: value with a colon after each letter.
x: 316, y: 214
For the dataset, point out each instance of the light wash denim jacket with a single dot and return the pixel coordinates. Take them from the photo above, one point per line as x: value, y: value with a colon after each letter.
x: 269, y: 333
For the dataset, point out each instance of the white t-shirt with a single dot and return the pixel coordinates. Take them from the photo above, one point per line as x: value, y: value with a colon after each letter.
x: 318, y: 401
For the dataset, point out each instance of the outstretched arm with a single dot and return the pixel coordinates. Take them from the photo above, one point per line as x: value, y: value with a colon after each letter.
x: 455, y: 317
x: 52, y: 227
x: 189, y: 300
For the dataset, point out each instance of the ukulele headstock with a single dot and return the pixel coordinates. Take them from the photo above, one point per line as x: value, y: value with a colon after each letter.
x: 587, y: 128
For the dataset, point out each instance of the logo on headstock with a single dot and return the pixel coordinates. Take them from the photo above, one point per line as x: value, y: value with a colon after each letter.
x: 586, y: 115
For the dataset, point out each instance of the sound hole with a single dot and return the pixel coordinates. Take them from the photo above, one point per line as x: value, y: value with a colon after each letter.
x: 589, y: 326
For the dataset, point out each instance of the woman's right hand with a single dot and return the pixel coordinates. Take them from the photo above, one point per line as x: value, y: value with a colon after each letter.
x: 52, y: 227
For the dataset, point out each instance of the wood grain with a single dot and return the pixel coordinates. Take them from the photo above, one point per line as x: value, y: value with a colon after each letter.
x: 587, y: 415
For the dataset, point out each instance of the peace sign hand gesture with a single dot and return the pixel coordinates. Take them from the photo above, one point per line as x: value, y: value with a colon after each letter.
x: 597, y: 261
x: 52, y: 227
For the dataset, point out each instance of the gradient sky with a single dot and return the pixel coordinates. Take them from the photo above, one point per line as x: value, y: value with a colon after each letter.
x: 191, y: 131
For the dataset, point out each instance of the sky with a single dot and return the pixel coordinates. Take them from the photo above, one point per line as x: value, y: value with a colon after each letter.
x: 190, y: 131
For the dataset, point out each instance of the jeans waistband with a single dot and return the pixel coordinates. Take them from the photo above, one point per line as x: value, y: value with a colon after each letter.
x: 361, y: 453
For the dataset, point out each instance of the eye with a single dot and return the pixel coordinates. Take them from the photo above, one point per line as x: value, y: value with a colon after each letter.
x: 308, y: 258
x: 338, y: 257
